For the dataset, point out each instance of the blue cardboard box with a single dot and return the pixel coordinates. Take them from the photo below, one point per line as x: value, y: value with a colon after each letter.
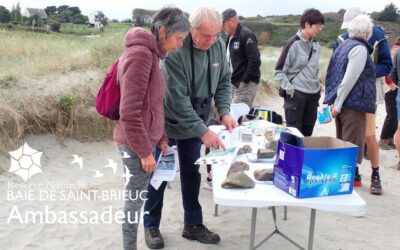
x: 316, y: 166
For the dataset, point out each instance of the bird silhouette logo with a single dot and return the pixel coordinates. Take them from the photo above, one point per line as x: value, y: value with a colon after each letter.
x: 98, y: 174
x: 125, y: 155
x: 25, y: 162
x: 113, y: 165
x: 78, y: 160
x: 127, y: 175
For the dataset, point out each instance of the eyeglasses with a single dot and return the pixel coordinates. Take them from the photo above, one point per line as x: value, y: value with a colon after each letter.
x: 319, y: 25
x: 206, y: 36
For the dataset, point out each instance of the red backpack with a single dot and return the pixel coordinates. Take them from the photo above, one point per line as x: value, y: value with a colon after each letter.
x: 108, y: 98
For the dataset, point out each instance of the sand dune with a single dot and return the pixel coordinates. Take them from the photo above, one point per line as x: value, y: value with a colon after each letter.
x: 378, y: 229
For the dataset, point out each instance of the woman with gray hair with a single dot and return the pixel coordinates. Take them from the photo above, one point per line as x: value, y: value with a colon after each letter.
x: 350, y: 84
x: 141, y: 125
x: 195, y: 75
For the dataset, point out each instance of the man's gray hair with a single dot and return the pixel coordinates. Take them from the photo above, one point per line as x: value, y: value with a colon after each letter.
x: 360, y: 26
x: 205, y: 12
x: 172, y: 19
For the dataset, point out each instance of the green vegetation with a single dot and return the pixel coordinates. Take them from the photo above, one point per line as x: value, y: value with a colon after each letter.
x: 78, y: 29
x: 30, y: 54
x: 66, y: 103
x: 275, y: 30
x: 7, y: 81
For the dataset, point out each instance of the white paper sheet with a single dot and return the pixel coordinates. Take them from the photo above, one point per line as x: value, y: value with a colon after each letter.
x: 166, y: 168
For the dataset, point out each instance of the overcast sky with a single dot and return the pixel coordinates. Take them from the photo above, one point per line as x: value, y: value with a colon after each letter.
x: 122, y: 9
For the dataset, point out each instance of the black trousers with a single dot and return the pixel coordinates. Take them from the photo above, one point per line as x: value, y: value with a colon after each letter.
x: 301, y: 111
x: 390, y: 125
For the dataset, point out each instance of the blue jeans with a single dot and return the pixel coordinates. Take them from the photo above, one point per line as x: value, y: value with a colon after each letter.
x: 189, y: 152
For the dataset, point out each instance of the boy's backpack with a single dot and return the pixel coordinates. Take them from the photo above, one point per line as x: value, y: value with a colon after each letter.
x: 267, y: 114
x: 108, y: 98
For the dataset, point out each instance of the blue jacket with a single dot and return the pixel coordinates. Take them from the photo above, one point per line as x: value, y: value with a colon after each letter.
x: 363, y: 94
x: 383, y: 64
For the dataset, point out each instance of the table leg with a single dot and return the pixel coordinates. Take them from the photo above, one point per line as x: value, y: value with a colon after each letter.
x: 285, y: 213
x: 311, y: 232
x: 253, y: 227
x: 216, y: 210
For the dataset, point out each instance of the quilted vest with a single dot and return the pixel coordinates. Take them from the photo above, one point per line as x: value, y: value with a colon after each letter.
x: 362, y: 96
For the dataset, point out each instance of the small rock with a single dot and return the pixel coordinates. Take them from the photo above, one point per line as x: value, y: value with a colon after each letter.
x: 264, y: 174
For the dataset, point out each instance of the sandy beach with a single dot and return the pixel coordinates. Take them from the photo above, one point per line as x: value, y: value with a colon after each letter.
x: 58, y: 187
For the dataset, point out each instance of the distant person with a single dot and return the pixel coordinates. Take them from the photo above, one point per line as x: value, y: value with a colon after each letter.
x: 141, y: 125
x: 350, y: 84
x: 297, y: 71
x: 390, y: 125
x: 243, y: 57
x: 195, y: 75
x: 383, y: 64
x: 395, y: 76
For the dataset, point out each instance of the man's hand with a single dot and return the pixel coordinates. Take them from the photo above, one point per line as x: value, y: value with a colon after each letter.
x: 163, y: 146
x: 333, y: 112
x: 229, y: 122
x: 392, y: 86
x: 148, y: 163
x: 211, y: 140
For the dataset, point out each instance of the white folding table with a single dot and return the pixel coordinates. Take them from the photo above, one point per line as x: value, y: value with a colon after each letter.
x: 267, y: 195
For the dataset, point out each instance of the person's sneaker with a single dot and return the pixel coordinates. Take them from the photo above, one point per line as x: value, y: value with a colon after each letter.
x: 357, y: 181
x: 153, y: 238
x: 376, y: 187
x: 207, y: 185
x: 200, y: 233
x: 384, y: 144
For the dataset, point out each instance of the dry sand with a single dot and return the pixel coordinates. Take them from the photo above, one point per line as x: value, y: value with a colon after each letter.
x: 378, y: 229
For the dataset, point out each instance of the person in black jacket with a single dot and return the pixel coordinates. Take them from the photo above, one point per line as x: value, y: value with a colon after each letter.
x: 244, y: 58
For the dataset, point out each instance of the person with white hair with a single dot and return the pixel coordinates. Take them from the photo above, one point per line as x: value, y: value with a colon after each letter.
x: 350, y: 84
x: 195, y: 74
x: 383, y: 65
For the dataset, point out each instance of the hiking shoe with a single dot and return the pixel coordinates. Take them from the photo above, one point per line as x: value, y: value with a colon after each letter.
x: 384, y: 144
x: 376, y: 187
x: 357, y: 181
x: 153, y: 238
x: 200, y: 233
x: 207, y: 185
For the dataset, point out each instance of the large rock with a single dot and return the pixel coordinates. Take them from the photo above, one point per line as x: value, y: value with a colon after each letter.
x: 238, y: 180
x: 237, y: 166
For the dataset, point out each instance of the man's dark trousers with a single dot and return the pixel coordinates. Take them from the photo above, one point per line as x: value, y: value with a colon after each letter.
x: 189, y: 152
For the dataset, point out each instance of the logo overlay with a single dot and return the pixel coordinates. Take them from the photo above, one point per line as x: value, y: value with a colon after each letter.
x: 25, y: 162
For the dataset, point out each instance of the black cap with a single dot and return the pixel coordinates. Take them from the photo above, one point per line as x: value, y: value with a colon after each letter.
x: 228, y: 13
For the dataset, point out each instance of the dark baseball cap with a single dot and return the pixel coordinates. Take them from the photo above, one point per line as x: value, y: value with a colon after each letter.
x: 228, y: 13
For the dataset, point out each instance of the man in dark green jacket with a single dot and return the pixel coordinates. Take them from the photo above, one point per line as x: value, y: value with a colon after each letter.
x: 195, y: 74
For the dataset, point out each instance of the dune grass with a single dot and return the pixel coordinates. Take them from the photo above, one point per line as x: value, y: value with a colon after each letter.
x: 25, y: 56
x: 28, y: 54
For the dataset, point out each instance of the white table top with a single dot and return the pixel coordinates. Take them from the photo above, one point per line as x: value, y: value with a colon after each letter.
x: 265, y: 194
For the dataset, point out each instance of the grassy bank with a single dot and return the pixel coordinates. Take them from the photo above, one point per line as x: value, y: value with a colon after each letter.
x: 28, y: 54
x: 48, y: 82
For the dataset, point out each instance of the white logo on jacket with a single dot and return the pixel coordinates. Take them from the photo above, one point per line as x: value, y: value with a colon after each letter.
x: 236, y: 45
